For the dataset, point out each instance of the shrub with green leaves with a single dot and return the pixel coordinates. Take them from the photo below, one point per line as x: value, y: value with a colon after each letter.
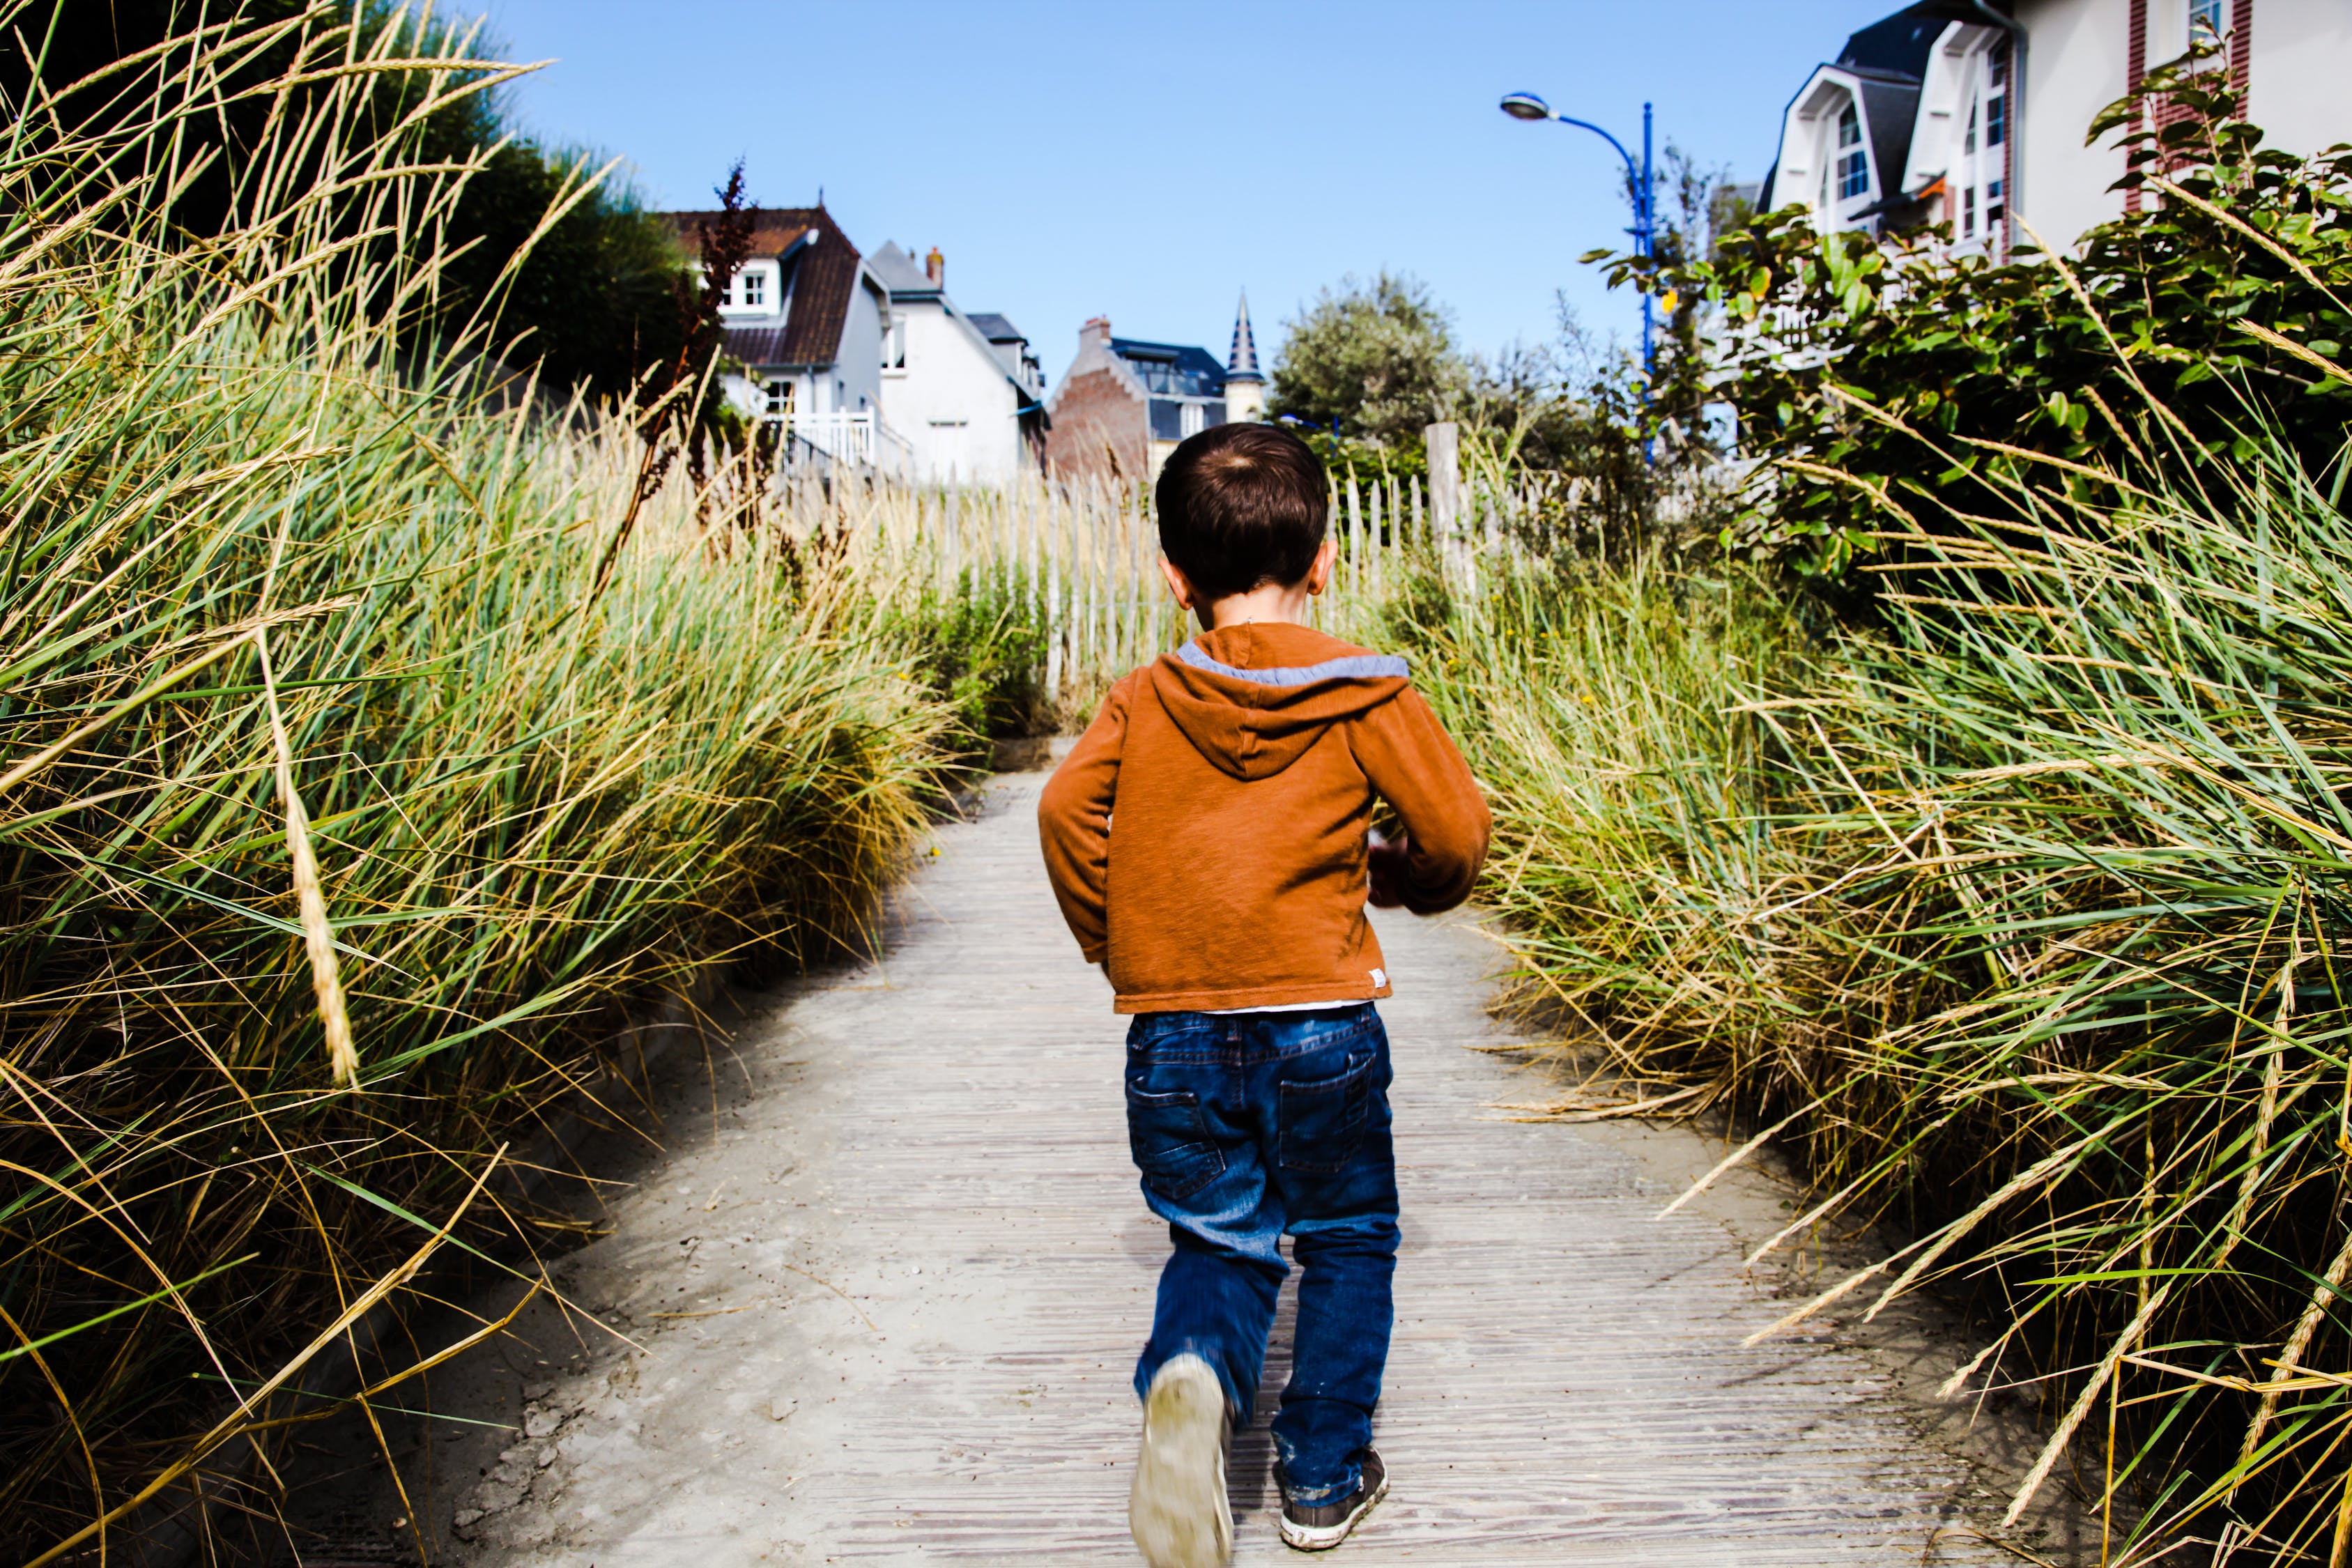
x: 1885, y: 381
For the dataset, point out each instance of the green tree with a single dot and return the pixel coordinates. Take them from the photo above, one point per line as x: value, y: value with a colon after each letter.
x: 1377, y: 360
x: 595, y: 300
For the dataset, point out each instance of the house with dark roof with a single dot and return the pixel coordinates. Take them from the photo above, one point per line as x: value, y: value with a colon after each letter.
x: 963, y: 390
x: 1124, y: 403
x: 1973, y: 112
x: 806, y: 317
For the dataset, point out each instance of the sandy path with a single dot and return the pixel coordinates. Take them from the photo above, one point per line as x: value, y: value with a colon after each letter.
x: 922, y: 1271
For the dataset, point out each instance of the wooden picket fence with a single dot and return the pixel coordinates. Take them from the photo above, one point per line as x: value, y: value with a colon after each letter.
x: 1080, y: 560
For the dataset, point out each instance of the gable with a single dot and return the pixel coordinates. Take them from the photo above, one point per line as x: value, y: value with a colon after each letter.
x: 820, y: 279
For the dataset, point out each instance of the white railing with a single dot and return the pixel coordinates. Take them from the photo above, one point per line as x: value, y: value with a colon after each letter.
x: 863, y: 438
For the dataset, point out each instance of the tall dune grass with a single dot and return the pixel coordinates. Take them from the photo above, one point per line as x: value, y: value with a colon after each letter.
x: 2018, y: 919
x: 340, y: 812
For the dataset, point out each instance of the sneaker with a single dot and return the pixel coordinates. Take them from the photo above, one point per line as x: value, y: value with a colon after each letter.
x: 1325, y: 1525
x: 1177, y: 1512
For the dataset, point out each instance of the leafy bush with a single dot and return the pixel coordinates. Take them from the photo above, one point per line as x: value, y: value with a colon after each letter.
x: 1886, y: 382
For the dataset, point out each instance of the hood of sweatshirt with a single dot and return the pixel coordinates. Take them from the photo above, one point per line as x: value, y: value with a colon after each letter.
x: 1253, y: 699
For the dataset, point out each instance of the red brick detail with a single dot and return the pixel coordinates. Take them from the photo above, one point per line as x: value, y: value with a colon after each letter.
x: 2136, y: 72
x: 2242, y: 53
x: 1100, y: 428
x: 2163, y: 111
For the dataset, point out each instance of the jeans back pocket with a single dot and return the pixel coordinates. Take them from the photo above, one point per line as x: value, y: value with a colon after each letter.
x: 1323, y: 1119
x: 1170, y: 1140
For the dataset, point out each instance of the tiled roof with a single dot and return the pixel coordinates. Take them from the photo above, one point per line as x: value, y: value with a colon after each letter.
x: 820, y: 281
x: 900, y: 272
x: 995, y: 328
x: 1195, y: 372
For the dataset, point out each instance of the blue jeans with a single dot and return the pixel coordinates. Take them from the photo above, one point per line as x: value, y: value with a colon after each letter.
x: 1247, y: 1127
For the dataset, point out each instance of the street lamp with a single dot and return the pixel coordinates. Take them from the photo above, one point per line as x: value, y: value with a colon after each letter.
x: 1527, y: 106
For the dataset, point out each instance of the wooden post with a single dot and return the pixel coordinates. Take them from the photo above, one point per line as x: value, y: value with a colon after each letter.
x: 1445, y: 439
x: 1353, y: 565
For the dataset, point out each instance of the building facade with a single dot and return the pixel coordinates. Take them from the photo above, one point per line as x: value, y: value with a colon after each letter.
x: 1975, y: 114
x: 964, y: 390
x: 1124, y: 403
x: 805, y: 317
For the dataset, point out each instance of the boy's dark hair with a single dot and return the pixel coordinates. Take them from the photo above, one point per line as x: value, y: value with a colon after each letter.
x: 1242, y: 505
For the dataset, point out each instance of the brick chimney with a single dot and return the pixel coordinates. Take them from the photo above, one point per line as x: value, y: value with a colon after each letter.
x: 935, y: 267
x: 1097, y: 330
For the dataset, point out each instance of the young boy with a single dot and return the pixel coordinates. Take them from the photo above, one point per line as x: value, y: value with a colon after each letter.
x: 1207, y: 839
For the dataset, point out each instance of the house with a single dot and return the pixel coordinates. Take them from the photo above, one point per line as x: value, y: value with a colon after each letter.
x: 1973, y: 112
x: 964, y: 390
x: 1124, y: 403
x: 805, y: 317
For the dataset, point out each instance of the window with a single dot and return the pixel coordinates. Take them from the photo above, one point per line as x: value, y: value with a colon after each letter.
x: 751, y: 291
x: 894, y: 345
x: 1968, y: 212
x: 1969, y: 142
x: 777, y: 399
x: 2204, y: 22
x: 1996, y: 110
x: 1853, y: 164
x: 1191, y: 419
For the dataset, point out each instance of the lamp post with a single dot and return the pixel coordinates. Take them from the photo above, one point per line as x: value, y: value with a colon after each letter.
x: 1527, y: 106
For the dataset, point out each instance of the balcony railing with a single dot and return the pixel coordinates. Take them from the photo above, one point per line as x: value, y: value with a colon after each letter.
x: 863, y: 438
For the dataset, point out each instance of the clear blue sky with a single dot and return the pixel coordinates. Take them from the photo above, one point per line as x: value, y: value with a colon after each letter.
x: 1151, y: 163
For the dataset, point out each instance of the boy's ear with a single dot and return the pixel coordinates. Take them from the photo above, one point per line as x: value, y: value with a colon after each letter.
x: 1318, y: 576
x: 1180, y: 584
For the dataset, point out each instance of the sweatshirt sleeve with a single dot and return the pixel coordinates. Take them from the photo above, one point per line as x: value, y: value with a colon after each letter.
x: 1413, y: 766
x: 1074, y: 824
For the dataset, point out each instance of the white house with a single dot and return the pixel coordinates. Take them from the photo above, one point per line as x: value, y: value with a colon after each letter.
x: 1974, y: 112
x: 805, y: 319
x: 964, y: 390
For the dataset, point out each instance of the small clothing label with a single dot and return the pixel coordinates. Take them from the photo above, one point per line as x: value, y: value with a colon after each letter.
x: 1379, y: 977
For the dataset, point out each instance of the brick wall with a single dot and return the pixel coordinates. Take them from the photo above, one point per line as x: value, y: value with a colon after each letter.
x: 1099, y: 429
x: 2164, y: 111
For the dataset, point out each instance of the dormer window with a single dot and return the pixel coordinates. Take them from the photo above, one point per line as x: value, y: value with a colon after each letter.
x: 752, y: 292
x: 1852, y: 162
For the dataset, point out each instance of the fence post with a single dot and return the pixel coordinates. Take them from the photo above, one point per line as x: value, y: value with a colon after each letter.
x: 1445, y: 439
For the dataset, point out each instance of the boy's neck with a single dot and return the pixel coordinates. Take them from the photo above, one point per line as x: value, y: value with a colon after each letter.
x: 1270, y: 602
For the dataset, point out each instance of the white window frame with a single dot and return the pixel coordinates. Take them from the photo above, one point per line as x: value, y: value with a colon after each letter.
x: 763, y: 276
x: 1843, y: 154
x: 1192, y: 418
x: 2172, y: 29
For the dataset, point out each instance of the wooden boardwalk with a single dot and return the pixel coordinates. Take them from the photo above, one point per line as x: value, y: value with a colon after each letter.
x: 891, y: 1302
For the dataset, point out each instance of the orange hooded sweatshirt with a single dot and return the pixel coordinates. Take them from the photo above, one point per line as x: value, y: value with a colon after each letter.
x: 1206, y: 836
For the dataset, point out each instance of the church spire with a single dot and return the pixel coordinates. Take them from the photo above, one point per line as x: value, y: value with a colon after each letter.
x: 1242, y: 363
x: 1244, y: 387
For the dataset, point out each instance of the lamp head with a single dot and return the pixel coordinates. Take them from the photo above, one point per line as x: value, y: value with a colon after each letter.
x: 1525, y: 106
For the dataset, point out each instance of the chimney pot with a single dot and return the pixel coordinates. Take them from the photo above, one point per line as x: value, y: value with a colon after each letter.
x: 935, y: 267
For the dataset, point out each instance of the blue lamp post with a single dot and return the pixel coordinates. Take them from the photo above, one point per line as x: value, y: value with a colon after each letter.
x: 1527, y: 106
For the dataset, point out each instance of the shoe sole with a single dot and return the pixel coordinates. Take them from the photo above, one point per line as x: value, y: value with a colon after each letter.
x: 1322, y: 1538
x: 1178, y: 1511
